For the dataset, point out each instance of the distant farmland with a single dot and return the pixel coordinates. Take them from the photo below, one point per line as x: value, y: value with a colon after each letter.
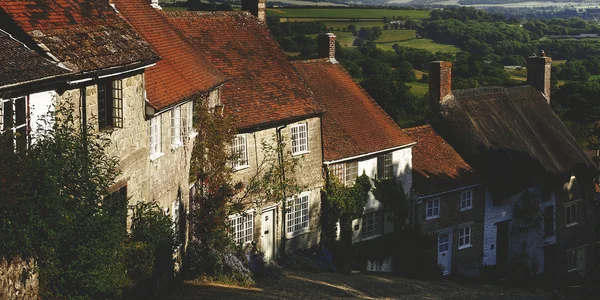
x: 426, y: 44
x: 346, y: 13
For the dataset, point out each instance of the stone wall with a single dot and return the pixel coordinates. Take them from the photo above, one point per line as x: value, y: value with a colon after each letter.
x: 466, y: 261
x: 18, y: 281
x: 308, y: 174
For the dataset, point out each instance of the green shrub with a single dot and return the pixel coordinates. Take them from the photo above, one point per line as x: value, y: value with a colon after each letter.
x: 149, y: 251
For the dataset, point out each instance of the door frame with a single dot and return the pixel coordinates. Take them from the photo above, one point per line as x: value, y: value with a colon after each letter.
x: 272, y: 208
x: 448, y: 231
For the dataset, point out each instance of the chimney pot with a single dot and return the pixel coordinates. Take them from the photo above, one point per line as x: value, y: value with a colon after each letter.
x: 256, y: 7
x: 440, y: 82
x: 539, y: 69
x: 326, y: 46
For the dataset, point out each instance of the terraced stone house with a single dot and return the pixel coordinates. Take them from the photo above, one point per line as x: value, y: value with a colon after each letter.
x: 539, y: 203
x: 269, y: 103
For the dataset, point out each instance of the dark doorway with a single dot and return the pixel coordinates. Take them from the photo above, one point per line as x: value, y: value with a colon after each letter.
x: 549, y: 262
x: 502, y: 246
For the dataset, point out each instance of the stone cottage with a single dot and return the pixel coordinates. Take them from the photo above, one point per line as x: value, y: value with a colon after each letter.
x: 358, y: 137
x: 448, y: 201
x: 269, y: 103
x: 179, y: 83
x: 106, y: 89
x: 539, y: 183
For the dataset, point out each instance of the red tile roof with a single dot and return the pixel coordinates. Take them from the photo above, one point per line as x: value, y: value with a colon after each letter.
x: 353, y: 123
x: 182, y: 72
x: 437, y: 167
x: 263, y: 88
x: 84, y: 35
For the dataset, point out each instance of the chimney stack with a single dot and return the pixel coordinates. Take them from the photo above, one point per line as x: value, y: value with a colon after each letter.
x: 256, y: 7
x: 538, y: 73
x: 440, y: 82
x: 326, y: 46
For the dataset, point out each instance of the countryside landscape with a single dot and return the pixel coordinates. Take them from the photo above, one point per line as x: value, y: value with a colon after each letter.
x: 296, y: 149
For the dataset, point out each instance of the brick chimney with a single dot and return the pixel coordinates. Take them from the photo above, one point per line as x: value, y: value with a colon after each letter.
x: 440, y: 82
x: 538, y: 73
x: 326, y: 43
x: 256, y: 7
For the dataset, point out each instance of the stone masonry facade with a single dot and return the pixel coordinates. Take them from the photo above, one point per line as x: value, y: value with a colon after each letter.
x: 18, y: 280
x: 466, y: 261
x: 308, y: 175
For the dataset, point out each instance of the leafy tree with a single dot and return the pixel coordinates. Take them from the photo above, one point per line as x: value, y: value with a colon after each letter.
x: 351, y: 27
x: 405, y: 72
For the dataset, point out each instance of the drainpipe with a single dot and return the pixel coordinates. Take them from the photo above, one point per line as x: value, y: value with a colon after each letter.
x: 281, y: 180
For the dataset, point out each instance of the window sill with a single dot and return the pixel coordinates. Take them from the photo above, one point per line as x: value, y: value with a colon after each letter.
x: 571, y: 225
x: 465, y: 247
x: 466, y: 208
x: 155, y: 156
x: 173, y: 147
x: 297, y: 233
x: 193, y: 135
x: 300, y: 153
x: 431, y: 218
x: 239, y: 168
x: 362, y: 239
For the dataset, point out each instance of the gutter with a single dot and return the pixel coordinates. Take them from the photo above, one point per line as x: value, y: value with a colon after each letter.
x: 369, y: 154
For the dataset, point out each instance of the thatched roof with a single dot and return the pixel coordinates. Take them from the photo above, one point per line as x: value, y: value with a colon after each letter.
x: 510, y: 135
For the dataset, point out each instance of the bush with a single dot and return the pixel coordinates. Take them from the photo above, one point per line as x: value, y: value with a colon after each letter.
x: 149, y: 251
x: 223, y: 264
x: 311, y: 260
x: 522, y: 268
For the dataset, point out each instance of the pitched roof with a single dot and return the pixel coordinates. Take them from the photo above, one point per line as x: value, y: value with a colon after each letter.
x: 353, y: 123
x: 437, y: 167
x: 182, y: 72
x: 263, y: 87
x: 510, y: 135
x: 19, y: 64
x: 83, y: 35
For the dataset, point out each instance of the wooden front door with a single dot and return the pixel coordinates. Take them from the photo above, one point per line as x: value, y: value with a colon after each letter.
x: 267, y: 235
x: 445, y: 251
x: 502, y: 245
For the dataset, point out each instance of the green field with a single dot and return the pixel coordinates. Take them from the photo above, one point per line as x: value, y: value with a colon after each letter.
x: 362, y: 13
x: 418, y: 89
x: 395, y: 35
x: 426, y: 44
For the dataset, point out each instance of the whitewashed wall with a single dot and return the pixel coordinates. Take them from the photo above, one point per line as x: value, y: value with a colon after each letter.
x: 535, y: 237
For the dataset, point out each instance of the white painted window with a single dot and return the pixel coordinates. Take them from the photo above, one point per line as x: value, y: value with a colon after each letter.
x: 432, y: 209
x: 242, y: 227
x: 464, y: 237
x: 466, y: 200
x: 297, y: 216
x: 346, y: 173
x: 571, y: 214
x: 299, y: 136
x: 385, y: 166
x: 239, y: 152
x: 155, y: 138
x: 372, y: 225
x: 576, y: 260
x: 13, y: 120
x: 176, y: 139
x: 190, y: 118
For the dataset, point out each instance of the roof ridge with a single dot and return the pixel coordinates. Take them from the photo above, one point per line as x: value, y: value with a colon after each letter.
x: 312, y: 60
x: 419, y: 127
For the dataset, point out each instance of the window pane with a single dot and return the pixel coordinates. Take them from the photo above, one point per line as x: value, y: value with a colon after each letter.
x: 117, y: 100
x: 8, y: 115
x: 21, y: 111
x: 297, y: 215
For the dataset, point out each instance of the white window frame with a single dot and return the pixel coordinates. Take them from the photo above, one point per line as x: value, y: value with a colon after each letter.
x: 242, y: 227
x: 466, y: 200
x: 571, y: 214
x: 431, y: 207
x: 463, y: 235
x: 190, y: 120
x: 385, y: 166
x: 340, y: 171
x: 373, y: 230
x: 15, y: 128
x: 175, y: 216
x: 155, y: 137
x: 239, y: 149
x: 299, y: 137
x: 573, y: 258
x: 176, y: 137
x: 297, y: 216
